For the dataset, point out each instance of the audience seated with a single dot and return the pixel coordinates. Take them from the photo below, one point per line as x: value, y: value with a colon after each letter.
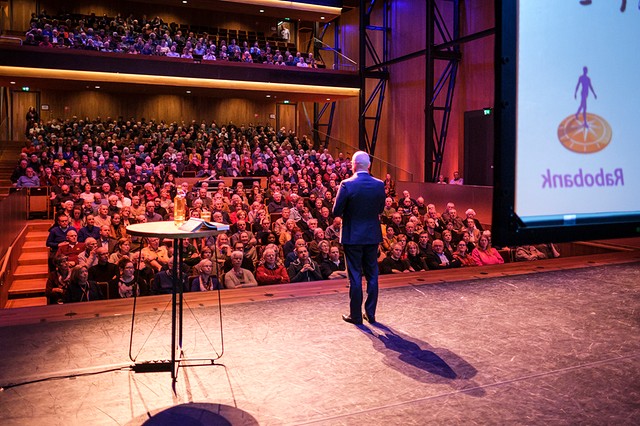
x: 108, y: 181
x: 139, y: 36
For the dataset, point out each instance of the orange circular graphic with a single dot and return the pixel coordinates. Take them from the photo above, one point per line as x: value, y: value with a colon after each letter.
x: 577, y: 137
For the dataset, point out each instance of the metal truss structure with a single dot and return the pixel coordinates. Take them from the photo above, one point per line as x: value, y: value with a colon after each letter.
x: 322, y: 125
x: 443, y: 42
x: 442, y: 47
x: 374, y: 72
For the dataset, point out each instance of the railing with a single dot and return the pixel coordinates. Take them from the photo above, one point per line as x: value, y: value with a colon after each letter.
x: 10, y: 40
x: 344, y: 63
x: 379, y: 167
x: 13, y: 211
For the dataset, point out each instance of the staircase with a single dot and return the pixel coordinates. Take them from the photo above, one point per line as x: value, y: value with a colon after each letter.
x: 30, y: 277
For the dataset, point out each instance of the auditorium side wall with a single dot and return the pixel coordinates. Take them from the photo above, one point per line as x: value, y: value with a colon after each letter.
x: 401, y: 140
x: 93, y: 103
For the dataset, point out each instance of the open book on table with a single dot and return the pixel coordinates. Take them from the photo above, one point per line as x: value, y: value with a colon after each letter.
x: 195, y: 223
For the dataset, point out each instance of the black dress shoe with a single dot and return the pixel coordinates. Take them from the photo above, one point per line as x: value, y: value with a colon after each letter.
x: 369, y: 319
x: 348, y: 318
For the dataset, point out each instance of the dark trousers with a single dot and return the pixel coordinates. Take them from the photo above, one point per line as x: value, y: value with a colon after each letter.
x: 362, y: 260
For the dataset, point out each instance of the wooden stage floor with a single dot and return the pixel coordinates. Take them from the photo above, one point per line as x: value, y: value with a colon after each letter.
x: 554, y: 341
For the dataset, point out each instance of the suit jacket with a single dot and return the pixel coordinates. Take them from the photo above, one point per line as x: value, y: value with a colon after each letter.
x: 433, y: 261
x: 360, y: 202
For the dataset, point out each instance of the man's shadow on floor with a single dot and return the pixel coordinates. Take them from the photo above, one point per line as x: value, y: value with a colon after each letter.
x: 420, y: 361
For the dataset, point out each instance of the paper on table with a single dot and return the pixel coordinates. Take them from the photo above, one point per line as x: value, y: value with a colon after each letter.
x: 195, y: 223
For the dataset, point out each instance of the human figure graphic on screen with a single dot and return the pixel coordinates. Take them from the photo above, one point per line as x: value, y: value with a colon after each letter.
x: 623, y: 5
x: 585, y: 81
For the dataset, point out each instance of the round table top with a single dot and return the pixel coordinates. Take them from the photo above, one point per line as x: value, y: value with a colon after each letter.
x: 168, y: 229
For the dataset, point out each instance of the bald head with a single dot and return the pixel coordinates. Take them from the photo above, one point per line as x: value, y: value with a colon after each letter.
x: 361, y: 161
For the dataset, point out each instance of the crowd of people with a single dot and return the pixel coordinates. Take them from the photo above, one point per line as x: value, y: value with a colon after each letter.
x: 153, y: 37
x: 107, y: 174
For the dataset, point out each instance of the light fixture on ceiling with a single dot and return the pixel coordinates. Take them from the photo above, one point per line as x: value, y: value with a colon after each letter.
x: 188, y: 92
x: 97, y: 87
x: 261, y: 10
x: 322, y: 18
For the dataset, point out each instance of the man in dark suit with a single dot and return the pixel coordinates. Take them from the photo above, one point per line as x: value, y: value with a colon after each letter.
x: 360, y: 201
x: 439, y: 258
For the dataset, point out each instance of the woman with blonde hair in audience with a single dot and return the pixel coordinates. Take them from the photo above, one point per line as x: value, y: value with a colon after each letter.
x: 237, y: 215
x: 166, y: 202
x: 484, y: 254
x: 287, y: 233
x: 125, y: 216
x: 463, y: 255
x: 416, y: 262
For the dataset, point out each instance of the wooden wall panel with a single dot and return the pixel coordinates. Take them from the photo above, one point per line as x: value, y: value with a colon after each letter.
x: 20, y: 14
x: 345, y: 126
x: 170, y: 108
x: 401, y: 141
x: 20, y: 103
x: 286, y: 115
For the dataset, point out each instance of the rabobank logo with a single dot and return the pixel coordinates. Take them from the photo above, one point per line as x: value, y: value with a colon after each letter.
x: 584, y: 132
